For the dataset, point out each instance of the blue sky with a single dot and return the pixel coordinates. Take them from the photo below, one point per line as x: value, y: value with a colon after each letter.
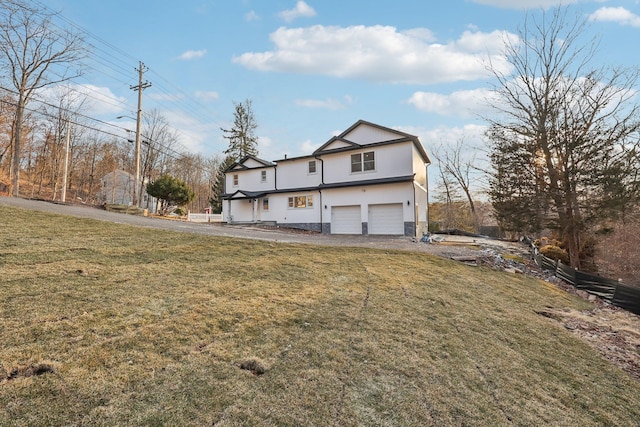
x: 312, y: 68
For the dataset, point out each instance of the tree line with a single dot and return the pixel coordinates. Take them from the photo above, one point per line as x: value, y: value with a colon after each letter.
x: 563, y: 141
x: 38, y: 138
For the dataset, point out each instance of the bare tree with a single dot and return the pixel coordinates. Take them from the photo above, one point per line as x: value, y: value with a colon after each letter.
x: 33, y: 54
x: 158, y: 142
x: 456, y: 170
x: 565, y: 137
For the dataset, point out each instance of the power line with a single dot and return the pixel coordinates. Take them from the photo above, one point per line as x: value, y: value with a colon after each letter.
x: 160, y: 147
x: 118, y: 62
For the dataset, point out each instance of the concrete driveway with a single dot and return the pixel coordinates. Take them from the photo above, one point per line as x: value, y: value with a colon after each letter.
x: 453, y: 245
x: 213, y: 229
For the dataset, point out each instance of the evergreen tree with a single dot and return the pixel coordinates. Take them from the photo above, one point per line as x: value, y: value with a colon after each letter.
x: 242, y: 138
x: 170, y: 191
x: 218, y: 185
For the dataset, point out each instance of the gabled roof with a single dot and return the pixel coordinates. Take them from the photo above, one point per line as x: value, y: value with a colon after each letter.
x: 336, y: 143
x: 249, y: 162
x: 350, y: 140
x: 244, y: 194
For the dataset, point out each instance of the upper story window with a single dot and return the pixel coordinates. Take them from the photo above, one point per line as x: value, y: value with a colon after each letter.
x: 263, y: 176
x: 235, y: 180
x: 363, y: 162
x: 312, y: 166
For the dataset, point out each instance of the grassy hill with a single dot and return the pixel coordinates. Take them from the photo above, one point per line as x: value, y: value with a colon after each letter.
x: 105, y: 324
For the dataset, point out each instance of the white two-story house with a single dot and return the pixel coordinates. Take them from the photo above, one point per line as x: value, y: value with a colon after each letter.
x: 368, y: 180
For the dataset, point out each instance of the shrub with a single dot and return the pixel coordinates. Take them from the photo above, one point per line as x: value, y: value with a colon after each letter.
x: 556, y: 253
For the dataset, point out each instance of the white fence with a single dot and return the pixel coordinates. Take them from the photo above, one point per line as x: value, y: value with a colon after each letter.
x: 204, y: 217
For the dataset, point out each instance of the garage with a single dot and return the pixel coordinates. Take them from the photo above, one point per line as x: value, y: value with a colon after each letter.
x: 346, y: 220
x: 386, y: 219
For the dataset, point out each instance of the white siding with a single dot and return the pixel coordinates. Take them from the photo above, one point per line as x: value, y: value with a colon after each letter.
x: 390, y: 161
x: 251, y: 180
x: 295, y: 174
x: 365, y: 134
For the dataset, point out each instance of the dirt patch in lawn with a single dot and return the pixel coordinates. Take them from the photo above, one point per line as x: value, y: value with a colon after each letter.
x: 612, y: 331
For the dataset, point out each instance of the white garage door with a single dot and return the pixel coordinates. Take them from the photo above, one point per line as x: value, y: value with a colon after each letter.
x: 346, y: 220
x: 386, y: 219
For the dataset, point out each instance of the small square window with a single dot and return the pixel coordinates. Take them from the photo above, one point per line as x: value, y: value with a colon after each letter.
x: 301, y: 202
x: 312, y: 166
x: 235, y: 180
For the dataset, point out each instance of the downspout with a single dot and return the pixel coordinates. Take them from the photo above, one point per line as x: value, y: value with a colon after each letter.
x: 415, y: 214
x: 426, y: 170
x: 319, y: 189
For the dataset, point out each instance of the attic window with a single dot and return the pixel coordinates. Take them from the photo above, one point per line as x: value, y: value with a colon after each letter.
x: 363, y: 162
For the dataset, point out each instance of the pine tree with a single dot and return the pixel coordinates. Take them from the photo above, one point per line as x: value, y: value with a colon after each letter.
x: 217, y: 189
x: 242, y: 138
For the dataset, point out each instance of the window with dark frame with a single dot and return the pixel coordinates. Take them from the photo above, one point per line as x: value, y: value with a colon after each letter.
x: 312, y: 166
x: 263, y: 176
x: 235, y: 180
x: 300, y: 202
x: 356, y: 162
x: 363, y: 162
x: 265, y: 204
x: 368, y: 161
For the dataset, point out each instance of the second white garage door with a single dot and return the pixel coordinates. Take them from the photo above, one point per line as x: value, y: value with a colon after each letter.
x: 346, y: 220
x: 386, y: 219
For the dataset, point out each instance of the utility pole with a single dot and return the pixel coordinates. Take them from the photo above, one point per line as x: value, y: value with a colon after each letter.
x: 139, y: 87
x: 65, y: 169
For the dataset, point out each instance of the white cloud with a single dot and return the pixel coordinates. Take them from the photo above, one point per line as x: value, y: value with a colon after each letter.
x: 308, y: 147
x: 93, y: 100
x: 301, y: 10
x: 329, y: 103
x: 432, y: 138
x: 616, y: 14
x: 193, y: 134
x: 379, y: 53
x: 464, y: 103
x: 525, y: 4
x: 251, y: 16
x: 192, y: 54
x: 207, y: 96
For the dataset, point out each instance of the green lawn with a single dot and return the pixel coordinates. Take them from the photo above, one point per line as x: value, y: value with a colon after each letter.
x: 148, y: 327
